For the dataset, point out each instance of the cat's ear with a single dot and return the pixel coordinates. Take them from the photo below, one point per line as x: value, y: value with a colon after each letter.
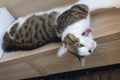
x: 62, y: 50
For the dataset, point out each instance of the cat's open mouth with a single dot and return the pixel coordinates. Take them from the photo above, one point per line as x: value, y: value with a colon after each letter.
x: 86, y: 32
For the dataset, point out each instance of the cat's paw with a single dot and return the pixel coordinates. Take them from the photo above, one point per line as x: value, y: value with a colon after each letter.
x: 62, y: 50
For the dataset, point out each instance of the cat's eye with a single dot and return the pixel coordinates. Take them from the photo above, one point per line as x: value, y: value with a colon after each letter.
x: 80, y: 45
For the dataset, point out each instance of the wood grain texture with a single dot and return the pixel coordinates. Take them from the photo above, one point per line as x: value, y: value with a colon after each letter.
x: 24, y: 7
x: 17, y: 71
x: 43, y: 61
x: 105, y: 22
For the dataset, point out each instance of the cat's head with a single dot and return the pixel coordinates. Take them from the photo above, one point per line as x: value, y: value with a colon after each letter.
x: 76, y: 34
x: 81, y: 46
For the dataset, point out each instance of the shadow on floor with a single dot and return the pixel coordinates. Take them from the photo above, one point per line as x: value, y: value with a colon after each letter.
x: 111, y: 72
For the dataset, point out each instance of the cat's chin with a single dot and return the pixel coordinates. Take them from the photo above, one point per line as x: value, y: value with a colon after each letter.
x: 83, y: 52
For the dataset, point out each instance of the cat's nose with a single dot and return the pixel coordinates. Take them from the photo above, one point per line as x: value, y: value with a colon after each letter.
x: 90, y: 51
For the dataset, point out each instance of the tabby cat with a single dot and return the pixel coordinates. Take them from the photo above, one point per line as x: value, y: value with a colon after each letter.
x: 38, y: 30
x: 71, y: 24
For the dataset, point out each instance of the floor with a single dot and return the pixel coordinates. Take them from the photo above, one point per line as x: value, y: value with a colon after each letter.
x: 111, y: 72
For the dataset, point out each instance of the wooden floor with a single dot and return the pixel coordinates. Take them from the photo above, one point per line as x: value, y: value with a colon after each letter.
x: 43, y: 61
x: 111, y: 72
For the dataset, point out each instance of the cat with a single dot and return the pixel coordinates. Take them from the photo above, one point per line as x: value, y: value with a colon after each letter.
x: 80, y: 29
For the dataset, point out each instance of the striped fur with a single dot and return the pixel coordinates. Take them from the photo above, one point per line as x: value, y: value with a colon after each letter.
x: 36, y: 31
x: 70, y: 16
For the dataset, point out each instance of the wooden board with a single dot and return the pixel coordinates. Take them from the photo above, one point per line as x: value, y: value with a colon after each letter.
x: 43, y: 61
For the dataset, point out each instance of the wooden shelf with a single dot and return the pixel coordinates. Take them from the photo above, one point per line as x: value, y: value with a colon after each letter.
x: 44, y: 61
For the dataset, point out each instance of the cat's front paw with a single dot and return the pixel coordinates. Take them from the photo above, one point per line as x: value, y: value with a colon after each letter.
x: 62, y: 50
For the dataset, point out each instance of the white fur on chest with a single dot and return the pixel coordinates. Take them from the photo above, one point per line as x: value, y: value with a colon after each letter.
x: 77, y: 28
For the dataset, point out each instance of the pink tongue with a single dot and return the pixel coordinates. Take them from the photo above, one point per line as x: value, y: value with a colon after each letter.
x: 86, y: 33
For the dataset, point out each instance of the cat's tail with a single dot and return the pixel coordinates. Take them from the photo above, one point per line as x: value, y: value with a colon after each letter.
x: 98, y: 4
